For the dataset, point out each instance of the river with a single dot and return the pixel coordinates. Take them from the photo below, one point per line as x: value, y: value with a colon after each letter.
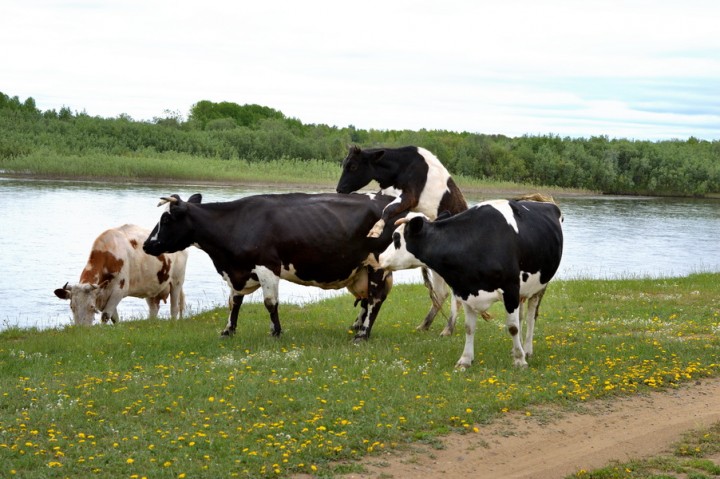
x: 48, y: 227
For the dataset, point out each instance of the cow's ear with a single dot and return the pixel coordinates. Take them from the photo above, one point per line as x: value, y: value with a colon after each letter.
x: 63, y: 293
x: 377, y: 156
x: 444, y: 215
x: 415, y: 225
x: 196, y: 198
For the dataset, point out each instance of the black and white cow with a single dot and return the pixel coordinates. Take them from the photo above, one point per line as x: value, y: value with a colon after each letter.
x: 313, y: 240
x: 500, y: 250
x: 422, y: 184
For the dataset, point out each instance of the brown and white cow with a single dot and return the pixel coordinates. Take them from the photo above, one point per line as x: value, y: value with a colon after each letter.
x: 118, y: 267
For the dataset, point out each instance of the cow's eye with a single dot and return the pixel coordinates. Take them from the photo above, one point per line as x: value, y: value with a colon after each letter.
x: 396, y: 240
x: 352, y: 167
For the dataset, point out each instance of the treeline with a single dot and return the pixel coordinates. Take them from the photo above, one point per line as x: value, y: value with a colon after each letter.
x: 257, y: 133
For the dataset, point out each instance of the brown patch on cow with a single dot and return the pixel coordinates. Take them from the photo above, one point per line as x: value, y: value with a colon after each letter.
x: 122, y: 283
x: 164, y: 274
x: 134, y: 243
x: 513, y: 330
x: 102, y: 266
x: 453, y: 200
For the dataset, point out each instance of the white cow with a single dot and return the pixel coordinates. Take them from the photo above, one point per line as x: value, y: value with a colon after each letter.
x: 118, y: 267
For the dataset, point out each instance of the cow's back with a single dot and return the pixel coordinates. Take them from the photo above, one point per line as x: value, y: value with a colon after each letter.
x: 302, y: 231
x: 440, y: 192
x: 108, y: 256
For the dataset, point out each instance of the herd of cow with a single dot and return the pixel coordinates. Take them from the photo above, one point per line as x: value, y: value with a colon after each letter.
x: 500, y: 250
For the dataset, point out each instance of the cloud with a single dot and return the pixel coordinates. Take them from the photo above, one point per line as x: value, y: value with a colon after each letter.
x: 636, y: 69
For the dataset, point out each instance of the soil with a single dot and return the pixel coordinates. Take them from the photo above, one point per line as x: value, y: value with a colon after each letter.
x: 552, y: 444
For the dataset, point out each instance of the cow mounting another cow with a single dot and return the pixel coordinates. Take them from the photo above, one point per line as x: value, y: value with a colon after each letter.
x: 422, y: 185
x: 500, y: 250
x: 117, y: 268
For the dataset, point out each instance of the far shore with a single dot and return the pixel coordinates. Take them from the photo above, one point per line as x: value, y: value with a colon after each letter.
x: 490, y: 190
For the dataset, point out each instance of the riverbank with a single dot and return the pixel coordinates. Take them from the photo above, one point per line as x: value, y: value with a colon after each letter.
x: 471, y: 187
x: 172, y: 399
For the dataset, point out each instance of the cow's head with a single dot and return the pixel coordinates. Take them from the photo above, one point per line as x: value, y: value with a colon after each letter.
x: 174, y: 232
x: 407, y: 237
x: 358, y: 169
x: 83, y: 301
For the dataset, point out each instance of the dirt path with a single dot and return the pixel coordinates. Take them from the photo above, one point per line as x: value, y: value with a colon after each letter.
x: 553, y: 445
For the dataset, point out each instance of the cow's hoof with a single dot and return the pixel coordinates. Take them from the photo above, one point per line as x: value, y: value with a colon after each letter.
x: 227, y: 333
x: 463, y: 364
x: 520, y: 363
x: 360, y: 339
x: 446, y: 332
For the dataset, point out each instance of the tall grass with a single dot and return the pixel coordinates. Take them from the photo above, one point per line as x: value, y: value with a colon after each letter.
x: 173, y: 399
x: 153, y: 166
x: 172, y: 166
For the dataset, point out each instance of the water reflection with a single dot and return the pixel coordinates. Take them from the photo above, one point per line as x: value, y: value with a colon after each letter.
x: 47, y: 229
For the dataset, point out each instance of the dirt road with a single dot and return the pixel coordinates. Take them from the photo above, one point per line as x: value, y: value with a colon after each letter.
x: 551, y: 445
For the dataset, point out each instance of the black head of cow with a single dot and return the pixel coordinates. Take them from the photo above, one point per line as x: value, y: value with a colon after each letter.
x: 174, y: 232
x: 359, y: 168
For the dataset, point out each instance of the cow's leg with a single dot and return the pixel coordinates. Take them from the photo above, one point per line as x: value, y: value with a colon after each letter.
x: 109, y: 312
x: 468, y: 354
x: 361, y: 315
x: 153, y: 307
x: 533, y: 307
x: 379, y: 286
x: 177, y: 302
x: 511, y: 298
x: 439, y: 291
x: 270, y: 282
x: 235, y: 303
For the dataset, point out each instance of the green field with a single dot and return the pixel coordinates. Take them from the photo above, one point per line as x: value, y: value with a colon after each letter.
x: 167, y: 399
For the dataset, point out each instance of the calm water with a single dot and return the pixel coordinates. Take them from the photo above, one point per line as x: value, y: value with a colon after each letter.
x: 48, y: 227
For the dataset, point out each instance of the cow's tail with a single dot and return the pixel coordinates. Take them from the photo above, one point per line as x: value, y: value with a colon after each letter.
x: 437, y: 304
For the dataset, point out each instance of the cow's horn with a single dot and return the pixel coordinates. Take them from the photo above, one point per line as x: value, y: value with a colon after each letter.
x: 66, y: 286
x: 167, y: 199
x: 401, y: 221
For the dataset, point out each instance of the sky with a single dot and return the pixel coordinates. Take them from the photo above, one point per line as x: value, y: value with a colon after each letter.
x: 636, y: 69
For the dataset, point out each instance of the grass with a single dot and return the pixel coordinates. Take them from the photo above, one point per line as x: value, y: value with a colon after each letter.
x: 167, y: 399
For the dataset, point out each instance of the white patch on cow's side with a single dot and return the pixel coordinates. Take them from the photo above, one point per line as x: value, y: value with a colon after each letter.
x: 397, y: 257
x: 269, y: 282
x: 250, y: 286
x: 391, y: 191
x: 531, y: 286
x: 503, y: 206
x: 435, y: 187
